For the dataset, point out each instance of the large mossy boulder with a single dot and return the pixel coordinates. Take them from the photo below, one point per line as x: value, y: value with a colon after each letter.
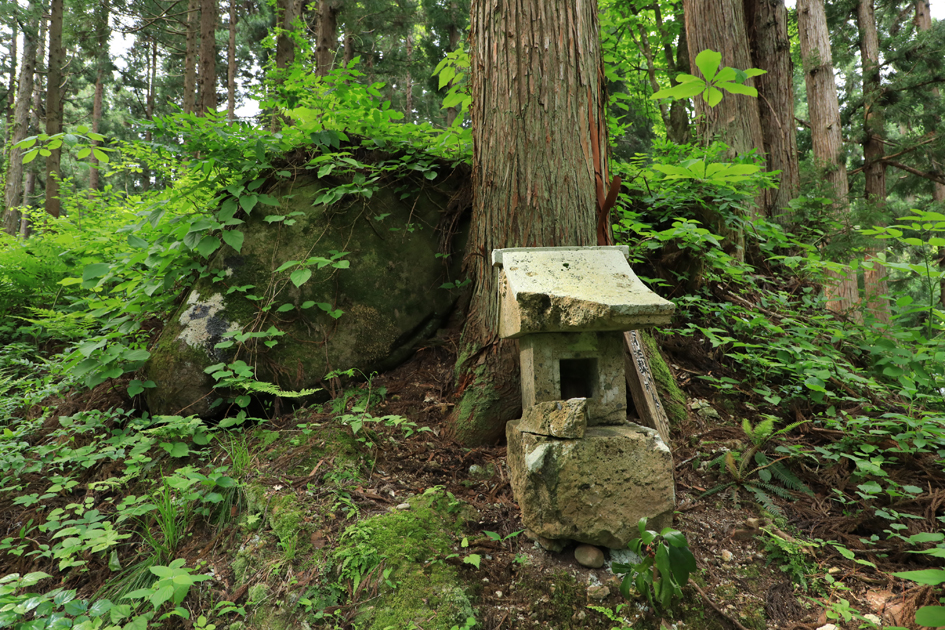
x: 390, y: 296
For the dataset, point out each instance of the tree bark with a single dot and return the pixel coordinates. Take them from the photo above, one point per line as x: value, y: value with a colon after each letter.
x: 14, y: 176
x: 101, y: 62
x: 231, y: 66
x: 923, y: 22
x: 326, y: 41
x: 874, y: 169
x: 539, y: 146
x: 642, y: 31
x: 678, y: 130
x: 29, y: 191
x: 771, y: 51
x: 453, y: 33
x: 408, y: 82
x: 824, y: 111
x: 11, y: 85
x: 720, y: 26
x: 149, y: 109
x: 188, y: 100
x: 208, y: 56
x: 287, y: 12
x: 57, y: 56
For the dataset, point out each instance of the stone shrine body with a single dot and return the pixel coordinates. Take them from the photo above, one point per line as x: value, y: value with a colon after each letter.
x: 579, y: 470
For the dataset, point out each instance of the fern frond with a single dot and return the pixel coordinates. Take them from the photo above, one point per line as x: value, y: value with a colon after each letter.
x: 765, y: 500
x: 716, y: 489
x: 773, y: 489
x: 789, y: 479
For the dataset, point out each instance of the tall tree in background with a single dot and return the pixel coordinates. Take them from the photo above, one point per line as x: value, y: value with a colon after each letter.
x: 231, y: 65
x: 767, y: 22
x: 824, y: 112
x: 539, y: 145
x: 54, y: 85
x: 874, y: 140
x: 190, y: 56
x: 208, y: 56
x: 102, y: 65
x: 923, y: 23
x: 29, y: 188
x: 720, y: 26
x: 326, y: 35
x: 13, y: 195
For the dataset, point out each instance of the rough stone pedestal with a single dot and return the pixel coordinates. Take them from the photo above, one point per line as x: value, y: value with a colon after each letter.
x: 593, y: 490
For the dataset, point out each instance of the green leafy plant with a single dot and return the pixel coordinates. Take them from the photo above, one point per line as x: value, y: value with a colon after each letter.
x: 713, y: 80
x: 663, y: 569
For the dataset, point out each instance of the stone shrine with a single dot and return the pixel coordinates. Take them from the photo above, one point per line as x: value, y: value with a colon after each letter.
x: 579, y: 470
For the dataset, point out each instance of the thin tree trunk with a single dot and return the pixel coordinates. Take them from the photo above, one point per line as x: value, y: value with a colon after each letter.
x: 771, y: 51
x: 102, y: 65
x: 408, y: 82
x: 452, y: 32
x: 874, y: 169
x: 326, y: 41
x: 539, y: 146
x: 923, y: 22
x: 679, y: 130
x: 208, y: 57
x: 11, y: 86
x: 651, y: 71
x: 149, y: 110
x: 57, y: 56
x: 18, y: 129
x: 231, y: 66
x: 188, y: 100
x: 29, y: 191
x: 824, y: 112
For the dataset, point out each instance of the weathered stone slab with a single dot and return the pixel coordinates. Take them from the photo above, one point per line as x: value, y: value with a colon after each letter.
x: 593, y: 490
x: 557, y: 418
x: 559, y: 366
x: 571, y: 289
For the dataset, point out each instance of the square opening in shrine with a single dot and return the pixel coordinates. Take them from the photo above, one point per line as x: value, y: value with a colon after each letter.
x: 568, y: 307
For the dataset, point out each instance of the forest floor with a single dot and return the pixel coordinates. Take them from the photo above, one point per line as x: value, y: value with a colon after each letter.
x: 756, y: 569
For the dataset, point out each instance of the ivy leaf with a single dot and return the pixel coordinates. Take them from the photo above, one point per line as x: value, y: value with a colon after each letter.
x: 208, y: 245
x: 300, y: 276
x: 234, y: 238
x: 248, y: 202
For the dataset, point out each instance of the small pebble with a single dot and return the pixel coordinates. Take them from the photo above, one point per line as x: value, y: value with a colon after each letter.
x: 726, y: 555
x: 498, y: 593
x: 833, y: 570
x: 753, y: 523
x: 598, y: 592
x: 874, y: 619
x: 403, y: 506
x: 828, y: 626
x: 589, y: 556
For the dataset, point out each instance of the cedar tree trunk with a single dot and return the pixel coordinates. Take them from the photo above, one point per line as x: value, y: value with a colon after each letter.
x: 190, y: 56
x: 824, y: 112
x: 57, y: 57
x: 231, y: 66
x: 326, y: 40
x: 771, y: 51
x: 208, y: 57
x: 14, y: 176
x: 539, y: 135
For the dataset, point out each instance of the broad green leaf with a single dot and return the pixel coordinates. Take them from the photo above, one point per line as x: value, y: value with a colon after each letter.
x: 300, y: 276
x: 234, y: 238
x: 930, y: 616
x: 83, y: 153
x: 95, y: 270
x: 285, y: 307
x: 683, y: 90
x: 930, y: 577
x: 712, y: 97
x: 100, y: 155
x: 136, y: 355
x: 708, y: 63
x: 738, y: 88
x: 208, y: 245
x: 248, y: 202
x: 30, y: 156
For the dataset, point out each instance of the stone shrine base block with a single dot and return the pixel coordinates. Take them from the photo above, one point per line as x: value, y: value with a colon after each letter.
x: 593, y: 490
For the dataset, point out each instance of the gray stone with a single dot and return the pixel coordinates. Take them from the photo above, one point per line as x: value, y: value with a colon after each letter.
x: 593, y: 490
x: 389, y: 297
x: 598, y: 592
x: 557, y: 418
x: 589, y: 556
x: 482, y: 473
x: 560, y: 366
x: 573, y: 289
x: 554, y: 546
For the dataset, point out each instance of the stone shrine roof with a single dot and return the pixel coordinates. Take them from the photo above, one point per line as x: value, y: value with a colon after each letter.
x: 573, y: 289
